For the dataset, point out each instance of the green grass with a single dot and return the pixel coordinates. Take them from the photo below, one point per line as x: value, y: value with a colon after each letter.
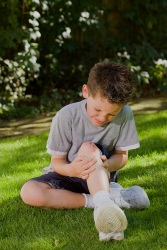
x: 23, y: 227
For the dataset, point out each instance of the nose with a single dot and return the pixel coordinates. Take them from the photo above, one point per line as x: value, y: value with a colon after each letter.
x: 102, y: 118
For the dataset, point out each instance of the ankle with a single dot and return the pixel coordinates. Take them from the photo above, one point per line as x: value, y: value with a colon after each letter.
x: 88, y: 201
x: 100, y: 197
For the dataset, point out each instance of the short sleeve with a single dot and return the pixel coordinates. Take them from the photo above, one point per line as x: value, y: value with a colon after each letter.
x: 59, y: 140
x: 128, y: 138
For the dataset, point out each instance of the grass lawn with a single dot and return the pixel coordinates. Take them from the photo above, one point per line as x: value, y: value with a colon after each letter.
x: 23, y: 227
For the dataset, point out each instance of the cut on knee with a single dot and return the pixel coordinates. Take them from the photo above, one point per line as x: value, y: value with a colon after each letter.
x: 88, y: 148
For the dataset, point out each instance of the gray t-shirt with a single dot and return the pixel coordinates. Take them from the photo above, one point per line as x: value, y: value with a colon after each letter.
x: 71, y: 127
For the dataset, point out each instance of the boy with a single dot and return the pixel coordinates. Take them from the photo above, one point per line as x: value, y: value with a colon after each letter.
x: 104, y: 119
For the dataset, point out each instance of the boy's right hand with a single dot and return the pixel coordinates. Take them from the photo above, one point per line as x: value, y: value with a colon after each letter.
x: 82, y: 166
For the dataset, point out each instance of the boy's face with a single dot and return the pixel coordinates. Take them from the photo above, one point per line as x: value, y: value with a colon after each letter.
x: 100, y: 111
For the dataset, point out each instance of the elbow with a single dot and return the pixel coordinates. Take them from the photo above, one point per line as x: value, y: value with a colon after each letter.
x: 124, y: 160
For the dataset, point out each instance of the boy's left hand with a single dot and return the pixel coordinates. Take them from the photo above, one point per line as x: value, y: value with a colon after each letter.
x: 105, y: 164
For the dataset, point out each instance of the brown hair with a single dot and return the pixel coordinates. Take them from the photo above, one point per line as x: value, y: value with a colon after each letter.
x: 111, y: 80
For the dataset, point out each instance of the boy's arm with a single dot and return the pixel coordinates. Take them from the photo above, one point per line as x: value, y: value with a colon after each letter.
x: 117, y: 161
x: 80, y: 167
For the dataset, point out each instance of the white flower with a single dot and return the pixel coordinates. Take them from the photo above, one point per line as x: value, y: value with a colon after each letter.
x: 66, y: 34
x: 135, y: 68
x: 36, y: 1
x: 124, y: 55
x: 68, y: 3
x: 85, y: 14
x: 35, y: 14
x: 145, y: 74
x: 161, y: 62
x: 33, y: 22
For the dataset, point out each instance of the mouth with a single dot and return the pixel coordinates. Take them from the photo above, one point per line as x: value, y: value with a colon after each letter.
x: 99, y: 122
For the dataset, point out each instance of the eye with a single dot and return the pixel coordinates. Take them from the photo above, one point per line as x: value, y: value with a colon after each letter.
x: 97, y: 110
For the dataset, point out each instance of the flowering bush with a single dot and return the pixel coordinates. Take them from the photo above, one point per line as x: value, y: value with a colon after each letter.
x: 49, y: 46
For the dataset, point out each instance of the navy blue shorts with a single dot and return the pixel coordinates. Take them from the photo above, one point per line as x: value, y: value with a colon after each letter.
x: 73, y: 184
x: 58, y: 181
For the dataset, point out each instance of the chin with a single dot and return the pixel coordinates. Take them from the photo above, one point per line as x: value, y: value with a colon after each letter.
x: 99, y: 125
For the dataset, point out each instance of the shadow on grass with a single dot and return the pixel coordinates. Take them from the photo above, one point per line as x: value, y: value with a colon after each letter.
x: 20, y: 155
x: 149, y: 146
x: 28, y: 227
x: 153, y: 133
x: 151, y: 121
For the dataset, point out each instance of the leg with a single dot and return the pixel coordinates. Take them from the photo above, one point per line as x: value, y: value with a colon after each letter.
x: 98, y: 180
x: 40, y: 194
x: 108, y: 216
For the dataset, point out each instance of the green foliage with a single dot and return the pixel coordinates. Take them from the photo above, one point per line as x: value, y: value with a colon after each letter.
x: 10, y: 28
x: 48, y: 45
x: 18, y: 67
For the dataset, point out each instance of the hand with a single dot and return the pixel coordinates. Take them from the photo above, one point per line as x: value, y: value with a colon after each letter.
x: 105, y: 162
x: 82, y: 166
x: 103, y: 158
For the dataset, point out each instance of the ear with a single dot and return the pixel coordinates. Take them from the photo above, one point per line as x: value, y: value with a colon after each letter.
x: 85, y: 91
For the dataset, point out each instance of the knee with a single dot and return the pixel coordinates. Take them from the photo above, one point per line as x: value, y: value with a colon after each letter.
x: 86, y: 144
x: 31, y: 194
x: 89, y: 144
x: 88, y: 148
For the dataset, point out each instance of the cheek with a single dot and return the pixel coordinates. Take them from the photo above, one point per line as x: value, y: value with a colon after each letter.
x: 92, y: 112
x: 111, y: 118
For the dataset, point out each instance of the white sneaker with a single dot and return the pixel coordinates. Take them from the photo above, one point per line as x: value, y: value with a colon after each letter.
x: 133, y: 197
x: 115, y: 185
x: 109, y: 218
x: 111, y: 236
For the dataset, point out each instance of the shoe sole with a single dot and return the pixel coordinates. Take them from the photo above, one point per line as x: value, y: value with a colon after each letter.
x: 111, y: 236
x: 110, y: 218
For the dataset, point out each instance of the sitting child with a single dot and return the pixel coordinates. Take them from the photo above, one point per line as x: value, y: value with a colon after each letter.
x: 81, y: 173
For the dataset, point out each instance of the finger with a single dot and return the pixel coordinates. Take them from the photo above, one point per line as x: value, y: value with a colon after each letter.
x: 83, y: 157
x: 105, y: 166
x: 88, y: 164
x: 87, y: 160
x: 84, y: 160
x: 103, y: 158
x: 88, y: 171
x: 85, y: 177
